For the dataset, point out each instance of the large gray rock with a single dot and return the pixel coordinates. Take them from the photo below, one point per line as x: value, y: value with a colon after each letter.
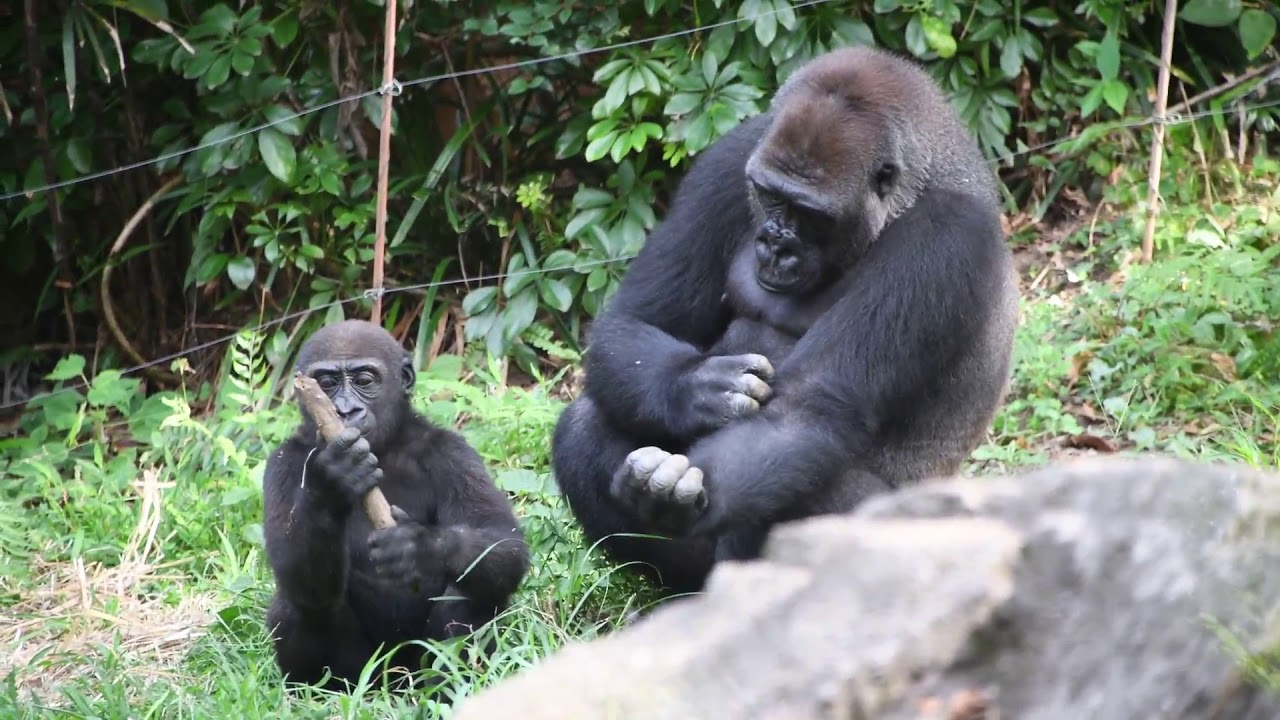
x: 1108, y: 589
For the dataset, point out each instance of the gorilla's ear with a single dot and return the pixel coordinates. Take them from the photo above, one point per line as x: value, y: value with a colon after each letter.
x: 407, y: 374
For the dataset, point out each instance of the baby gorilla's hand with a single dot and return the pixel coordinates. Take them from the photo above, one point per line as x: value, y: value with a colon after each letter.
x: 408, y: 552
x: 348, y: 467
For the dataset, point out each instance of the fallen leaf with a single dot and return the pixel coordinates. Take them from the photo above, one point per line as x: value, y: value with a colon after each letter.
x: 1086, y: 441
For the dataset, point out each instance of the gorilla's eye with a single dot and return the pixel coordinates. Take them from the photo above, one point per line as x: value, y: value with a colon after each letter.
x: 769, y: 200
x: 327, y: 382
x: 884, y: 179
x: 364, y: 379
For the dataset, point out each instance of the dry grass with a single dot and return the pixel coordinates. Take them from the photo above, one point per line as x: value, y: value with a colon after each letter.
x: 74, y: 609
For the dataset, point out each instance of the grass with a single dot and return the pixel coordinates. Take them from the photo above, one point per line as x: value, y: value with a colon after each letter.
x: 132, y: 577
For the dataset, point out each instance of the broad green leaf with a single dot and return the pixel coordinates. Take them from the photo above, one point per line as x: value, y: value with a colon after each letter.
x: 278, y: 153
x: 251, y: 46
x: 1257, y: 30
x: 599, y: 147
x: 597, y: 279
x: 80, y: 154
x: 518, y: 276
x: 519, y: 313
x: 111, y: 389
x: 1040, y: 17
x: 616, y: 94
x: 556, y: 294
x: 479, y: 300
x: 285, y: 119
x: 220, y: 18
x: 681, y: 103
x: 1011, y: 57
x: 198, y: 64
x: 582, y: 220
x: 852, y: 32
x: 720, y: 42
x: 1091, y: 100
x: 559, y: 260
x: 1211, y: 13
x: 240, y: 62
x: 1109, y: 56
x: 307, y: 250
x: 1115, y: 93
x: 767, y: 24
x: 938, y: 34
x: 241, y: 270
x: 916, y: 42
x: 219, y: 71
x: 210, y: 267
x: 709, y: 66
x: 68, y: 367
x: 284, y: 29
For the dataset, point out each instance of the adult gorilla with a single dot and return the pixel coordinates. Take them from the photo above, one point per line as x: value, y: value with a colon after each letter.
x: 826, y: 312
x: 447, y: 567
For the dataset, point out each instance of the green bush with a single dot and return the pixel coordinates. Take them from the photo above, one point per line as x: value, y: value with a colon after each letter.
x: 547, y: 176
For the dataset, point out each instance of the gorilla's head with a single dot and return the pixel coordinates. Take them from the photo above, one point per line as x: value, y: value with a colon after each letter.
x: 365, y: 372
x: 840, y: 159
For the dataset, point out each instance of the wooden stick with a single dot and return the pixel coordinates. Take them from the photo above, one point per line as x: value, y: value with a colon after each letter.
x: 384, y: 156
x: 1157, y: 143
x: 328, y: 424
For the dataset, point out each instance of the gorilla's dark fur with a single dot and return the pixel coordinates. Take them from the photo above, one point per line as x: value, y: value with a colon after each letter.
x: 342, y: 588
x: 825, y: 313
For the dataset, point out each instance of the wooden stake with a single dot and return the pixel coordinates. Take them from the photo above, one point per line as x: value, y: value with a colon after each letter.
x: 384, y: 156
x: 1157, y: 142
x: 328, y: 424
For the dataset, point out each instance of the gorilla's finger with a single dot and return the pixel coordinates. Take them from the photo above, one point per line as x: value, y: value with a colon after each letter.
x: 688, y: 488
x: 643, y: 462
x: 668, y: 473
x: 399, y: 515
x: 347, y: 438
x: 740, y: 404
x: 757, y: 365
x: 755, y: 388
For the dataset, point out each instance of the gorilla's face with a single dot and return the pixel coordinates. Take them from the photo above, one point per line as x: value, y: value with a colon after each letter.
x: 789, y: 243
x: 355, y: 385
x: 366, y: 374
x: 823, y: 182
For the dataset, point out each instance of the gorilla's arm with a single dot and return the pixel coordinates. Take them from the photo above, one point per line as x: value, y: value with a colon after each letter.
x: 473, y: 519
x: 919, y: 302
x: 304, y: 530
x: 467, y: 538
x: 668, y: 308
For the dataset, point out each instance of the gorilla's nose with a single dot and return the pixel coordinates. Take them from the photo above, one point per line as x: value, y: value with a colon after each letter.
x: 351, y: 415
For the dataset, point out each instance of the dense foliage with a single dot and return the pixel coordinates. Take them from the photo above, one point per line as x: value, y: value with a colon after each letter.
x: 545, y: 175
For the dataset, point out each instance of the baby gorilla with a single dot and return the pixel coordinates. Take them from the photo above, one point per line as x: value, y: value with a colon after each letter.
x: 343, y: 588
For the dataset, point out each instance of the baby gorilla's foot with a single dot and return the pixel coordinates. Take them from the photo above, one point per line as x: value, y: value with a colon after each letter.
x: 661, y: 488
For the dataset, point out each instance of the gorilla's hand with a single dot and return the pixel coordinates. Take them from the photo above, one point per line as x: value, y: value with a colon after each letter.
x: 661, y: 488
x: 347, y: 467
x: 723, y: 388
x: 409, y: 552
